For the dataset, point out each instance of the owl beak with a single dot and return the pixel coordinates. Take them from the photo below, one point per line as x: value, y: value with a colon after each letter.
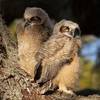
x: 32, y: 24
x: 69, y: 34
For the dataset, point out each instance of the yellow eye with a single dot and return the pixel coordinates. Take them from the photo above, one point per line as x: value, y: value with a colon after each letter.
x: 64, y: 29
x: 67, y: 29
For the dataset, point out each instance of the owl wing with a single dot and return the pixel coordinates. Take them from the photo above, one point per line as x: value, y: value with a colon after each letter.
x: 53, y: 61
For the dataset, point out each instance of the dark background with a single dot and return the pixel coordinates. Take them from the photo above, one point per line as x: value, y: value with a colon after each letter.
x: 85, y: 12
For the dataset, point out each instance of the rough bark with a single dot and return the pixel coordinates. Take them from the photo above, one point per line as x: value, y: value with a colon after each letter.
x: 15, y: 84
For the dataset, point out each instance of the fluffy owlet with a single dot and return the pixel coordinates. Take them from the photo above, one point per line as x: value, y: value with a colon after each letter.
x: 58, y: 57
x: 31, y: 33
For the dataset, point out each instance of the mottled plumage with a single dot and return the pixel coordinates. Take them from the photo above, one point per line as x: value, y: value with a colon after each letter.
x: 58, y: 56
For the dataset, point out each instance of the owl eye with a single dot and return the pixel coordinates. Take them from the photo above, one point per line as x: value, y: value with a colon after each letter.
x: 77, y: 32
x: 64, y: 29
x: 27, y: 22
x: 67, y: 29
x: 35, y: 19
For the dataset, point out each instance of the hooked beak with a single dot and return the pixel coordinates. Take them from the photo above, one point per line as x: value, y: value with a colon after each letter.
x: 69, y: 34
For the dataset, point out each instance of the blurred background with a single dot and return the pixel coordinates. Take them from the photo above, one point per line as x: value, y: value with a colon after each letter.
x: 85, y: 12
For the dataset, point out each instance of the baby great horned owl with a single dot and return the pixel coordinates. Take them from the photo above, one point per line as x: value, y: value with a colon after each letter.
x: 31, y: 33
x: 59, y: 58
